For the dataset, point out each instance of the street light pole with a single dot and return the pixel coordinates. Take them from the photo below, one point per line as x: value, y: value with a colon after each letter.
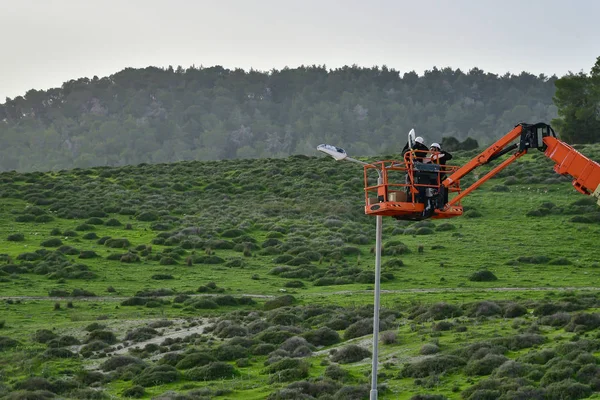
x: 340, y: 154
x: 376, y: 302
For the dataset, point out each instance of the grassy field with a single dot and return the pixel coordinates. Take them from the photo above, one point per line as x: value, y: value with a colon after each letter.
x: 254, y: 279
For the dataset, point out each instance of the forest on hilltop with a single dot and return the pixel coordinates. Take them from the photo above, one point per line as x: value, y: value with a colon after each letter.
x: 156, y: 115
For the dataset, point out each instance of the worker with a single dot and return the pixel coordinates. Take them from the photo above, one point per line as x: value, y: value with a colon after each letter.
x: 439, y: 156
x: 419, y: 148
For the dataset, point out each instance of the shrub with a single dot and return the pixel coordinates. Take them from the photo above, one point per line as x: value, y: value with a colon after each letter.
x: 129, y: 258
x: 94, y: 221
x: 389, y: 337
x: 82, y: 293
x: 336, y: 373
x: 44, y: 336
x: 432, y: 365
x: 485, y: 308
x: 25, y: 218
x: 227, y: 352
x: 428, y: 349
x: 88, y: 254
x: 167, y: 261
x: 141, y: 334
x: 568, y: 389
x: 485, y: 365
x: 104, y: 336
x: 60, y: 352
x: 162, y: 277
x: 483, y: 276
x: 157, y: 375
x: 16, y: 237
x: 113, y: 222
x: 117, y: 243
x: 513, y: 310
x: 360, y: 328
x: 287, y: 369
x: 195, y: 360
x: 323, y: 336
x: 54, y: 242
x: 294, y: 284
x: 352, y: 393
x: 512, y: 369
x: 212, y: 371
x: 135, y: 392
x: 279, y: 302
x: 205, y: 304
x: 349, y: 354
x: 148, y: 216
x: 84, y: 227
x: 119, y: 361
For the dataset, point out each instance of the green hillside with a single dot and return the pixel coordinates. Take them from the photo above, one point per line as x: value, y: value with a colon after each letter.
x: 253, y: 279
x: 155, y: 115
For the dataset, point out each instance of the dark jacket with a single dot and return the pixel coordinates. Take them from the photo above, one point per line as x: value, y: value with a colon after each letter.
x: 441, y: 157
x: 419, y: 149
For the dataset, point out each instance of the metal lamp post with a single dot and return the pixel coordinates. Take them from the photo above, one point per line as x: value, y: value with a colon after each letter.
x: 340, y: 154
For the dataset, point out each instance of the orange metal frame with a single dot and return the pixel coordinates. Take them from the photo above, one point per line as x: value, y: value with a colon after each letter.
x: 586, y: 174
x: 378, y: 197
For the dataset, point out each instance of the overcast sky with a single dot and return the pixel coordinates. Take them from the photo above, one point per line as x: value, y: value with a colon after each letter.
x: 47, y: 42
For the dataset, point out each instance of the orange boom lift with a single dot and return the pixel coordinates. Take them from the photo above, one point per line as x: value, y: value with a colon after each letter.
x: 411, y: 190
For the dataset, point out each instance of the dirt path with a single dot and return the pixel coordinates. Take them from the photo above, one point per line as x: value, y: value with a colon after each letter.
x: 397, y: 291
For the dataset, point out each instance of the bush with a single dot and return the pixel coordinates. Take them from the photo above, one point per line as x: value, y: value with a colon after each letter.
x: 148, y: 216
x: 349, y: 354
x: 568, y: 389
x: 60, y: 352
x: 84, y: 227
x: 44, y: 336
x: 113, y: 222
x: 119, y: 361
x: 513, y: 310
x: 141, y: 334
x: 484, y: 308
x: 54, y: 242
x: 428, y: 349
x: 135, y: 392
x: 157, y: 375
x: 323, y: 336
x: 117, y: 243
x: 279, y: 302
x: 432, y: 365
x: 195, y: 360
x: 483, y: 276
x: 16, y: 237
x: 352, y: 393
x: 25, y: 218
x: 212, y: 371
x: 162, y: 277
x: 82, y: 293
x: 485, y: 365
x: 88, y: 254
x: 227, y: 352
x: 287, y: 369
x: 104, y: 336
x: 360, y: 328
x: 294, y: 284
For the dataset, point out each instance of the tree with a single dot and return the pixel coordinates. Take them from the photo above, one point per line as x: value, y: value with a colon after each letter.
x: 578, y: 100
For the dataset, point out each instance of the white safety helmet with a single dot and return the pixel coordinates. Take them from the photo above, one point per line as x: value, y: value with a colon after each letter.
x: 436, y: 145
x: 419, y: 139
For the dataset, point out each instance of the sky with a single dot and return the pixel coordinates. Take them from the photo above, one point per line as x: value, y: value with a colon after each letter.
x: 48, y: 42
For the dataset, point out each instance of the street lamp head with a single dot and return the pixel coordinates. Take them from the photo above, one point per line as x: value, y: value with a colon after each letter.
x: 335, y: 152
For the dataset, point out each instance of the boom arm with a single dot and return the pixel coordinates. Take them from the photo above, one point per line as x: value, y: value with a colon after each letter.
x: 586, y: 173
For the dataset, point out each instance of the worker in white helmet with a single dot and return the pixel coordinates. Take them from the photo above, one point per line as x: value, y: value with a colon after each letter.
x: 439, y: 156
x: 420, y: 149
